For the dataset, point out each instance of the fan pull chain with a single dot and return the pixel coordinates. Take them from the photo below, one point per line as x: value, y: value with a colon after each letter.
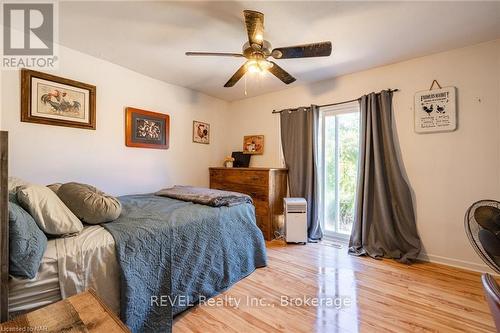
x: 245, y: 78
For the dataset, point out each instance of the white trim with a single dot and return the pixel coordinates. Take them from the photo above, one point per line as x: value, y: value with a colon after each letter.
x: 341, y: 108
x: 463, y: 264
x: 337, y: 238
x: 468, y: 265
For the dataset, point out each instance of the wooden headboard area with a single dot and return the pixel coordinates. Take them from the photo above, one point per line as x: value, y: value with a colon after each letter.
x: 4, y: 226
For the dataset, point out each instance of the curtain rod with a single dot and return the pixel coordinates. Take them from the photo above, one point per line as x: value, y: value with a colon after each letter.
x: 331, y: 104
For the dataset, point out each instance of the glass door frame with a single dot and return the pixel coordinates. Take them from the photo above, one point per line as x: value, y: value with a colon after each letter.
x: 334, y: 110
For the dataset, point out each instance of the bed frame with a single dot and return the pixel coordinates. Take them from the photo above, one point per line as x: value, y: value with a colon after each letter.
x: 4, y: 227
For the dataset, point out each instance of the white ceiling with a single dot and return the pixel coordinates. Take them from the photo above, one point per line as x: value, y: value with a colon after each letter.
x: 151, y: 37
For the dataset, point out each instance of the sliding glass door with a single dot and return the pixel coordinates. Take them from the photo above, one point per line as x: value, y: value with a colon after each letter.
x: 340, y: 157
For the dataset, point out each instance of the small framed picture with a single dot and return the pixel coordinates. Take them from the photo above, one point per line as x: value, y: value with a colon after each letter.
x: 146, y: 129
x: 253, y: 144
x: 201, y: 132
x: 53, y: 100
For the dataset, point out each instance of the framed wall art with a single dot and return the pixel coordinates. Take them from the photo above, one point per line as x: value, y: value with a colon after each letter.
x: 201, y: 132
x: 253, y: 144
x: 436, y: 110
x: 53, y: 100
x: 146, y: 129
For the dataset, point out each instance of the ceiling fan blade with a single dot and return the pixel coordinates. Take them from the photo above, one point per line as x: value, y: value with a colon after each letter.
x: 236, y: 76
x: 322, y: 49
x: 217, y: 54
x: 281, y: 74
x: 255, y: 26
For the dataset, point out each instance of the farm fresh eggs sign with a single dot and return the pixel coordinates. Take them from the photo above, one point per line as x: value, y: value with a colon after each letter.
x: 435, y: 110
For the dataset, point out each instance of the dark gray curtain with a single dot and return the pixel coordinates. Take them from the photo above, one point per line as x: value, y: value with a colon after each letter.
x: 384, y: 223
x: 299, y: 136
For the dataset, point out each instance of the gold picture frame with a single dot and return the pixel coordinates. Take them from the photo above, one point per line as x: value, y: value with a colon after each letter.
x: 253, y: 144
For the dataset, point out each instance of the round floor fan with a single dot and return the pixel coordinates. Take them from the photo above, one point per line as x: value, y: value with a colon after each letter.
x: 482, y: 226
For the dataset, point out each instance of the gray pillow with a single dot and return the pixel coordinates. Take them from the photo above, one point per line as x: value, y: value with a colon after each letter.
x: 48, y: 211
x: 27, y: 242
x: 90, y: 204
x: 54, y: 187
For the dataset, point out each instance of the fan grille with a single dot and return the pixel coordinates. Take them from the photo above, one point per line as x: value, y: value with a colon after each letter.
x: 472, y: 230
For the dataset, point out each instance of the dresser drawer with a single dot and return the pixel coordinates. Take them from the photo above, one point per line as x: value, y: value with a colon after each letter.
x: 235, y: 176
x: 256, y: 192
x: 261, y: 207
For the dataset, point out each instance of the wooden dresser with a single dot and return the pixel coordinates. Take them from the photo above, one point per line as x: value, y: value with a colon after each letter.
x: 266, y: 186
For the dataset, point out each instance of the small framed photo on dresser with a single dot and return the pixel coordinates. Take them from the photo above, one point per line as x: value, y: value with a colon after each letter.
x: 53, y: 100
x: 146, y: 129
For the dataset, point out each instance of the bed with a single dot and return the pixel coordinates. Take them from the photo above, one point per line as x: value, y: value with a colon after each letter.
x: 158, y: 247
x: 70, y: 265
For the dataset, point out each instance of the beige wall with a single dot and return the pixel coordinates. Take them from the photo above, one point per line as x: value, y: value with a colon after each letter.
x: 46, y: 154
x: 447, y: 171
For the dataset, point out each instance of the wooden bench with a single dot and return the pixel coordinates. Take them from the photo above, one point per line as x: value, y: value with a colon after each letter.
x: 84, y: 312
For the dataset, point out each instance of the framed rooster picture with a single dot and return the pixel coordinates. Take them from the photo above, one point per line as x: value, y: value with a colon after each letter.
x: 201, y: 132
x: 53, y: 100
x: 146, y: 129
x: 253, y: 144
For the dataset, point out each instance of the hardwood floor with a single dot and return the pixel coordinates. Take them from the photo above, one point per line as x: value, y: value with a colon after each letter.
x: 385, y: 296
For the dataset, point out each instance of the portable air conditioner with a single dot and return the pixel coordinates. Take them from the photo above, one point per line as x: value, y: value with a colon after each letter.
x: 295, y: 220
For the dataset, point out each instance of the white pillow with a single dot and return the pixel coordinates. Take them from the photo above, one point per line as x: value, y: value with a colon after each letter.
x: 15, y: 182
x: 49, y: 212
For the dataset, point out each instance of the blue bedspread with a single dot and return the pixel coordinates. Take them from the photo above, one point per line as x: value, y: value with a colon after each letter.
x: 172, y: 252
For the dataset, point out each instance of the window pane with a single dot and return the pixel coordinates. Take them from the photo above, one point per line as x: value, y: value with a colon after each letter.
x: 330, y: 213
x: 348, y: 167
x: 341, y: 153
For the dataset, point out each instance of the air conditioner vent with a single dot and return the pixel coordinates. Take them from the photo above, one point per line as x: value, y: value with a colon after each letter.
x: 296, y: 208
x: 295, y: 205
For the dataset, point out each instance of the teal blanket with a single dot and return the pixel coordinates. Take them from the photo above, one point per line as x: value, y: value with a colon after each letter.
x: 172, y: 252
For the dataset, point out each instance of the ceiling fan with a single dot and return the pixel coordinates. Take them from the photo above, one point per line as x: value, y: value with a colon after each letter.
x: 257, y: 50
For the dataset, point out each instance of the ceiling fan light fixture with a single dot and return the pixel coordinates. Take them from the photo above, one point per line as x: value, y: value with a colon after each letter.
x: 256, y: 51
x: 258, y: 66
x: 265, y: 65
x: 252, y: 66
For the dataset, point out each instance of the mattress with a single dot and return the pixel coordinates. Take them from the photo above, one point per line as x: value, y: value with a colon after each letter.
x: 29, y: 294
x: 69, y: 266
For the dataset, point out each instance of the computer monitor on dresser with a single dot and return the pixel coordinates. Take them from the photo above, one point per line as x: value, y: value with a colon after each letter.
x: 240, y: 160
